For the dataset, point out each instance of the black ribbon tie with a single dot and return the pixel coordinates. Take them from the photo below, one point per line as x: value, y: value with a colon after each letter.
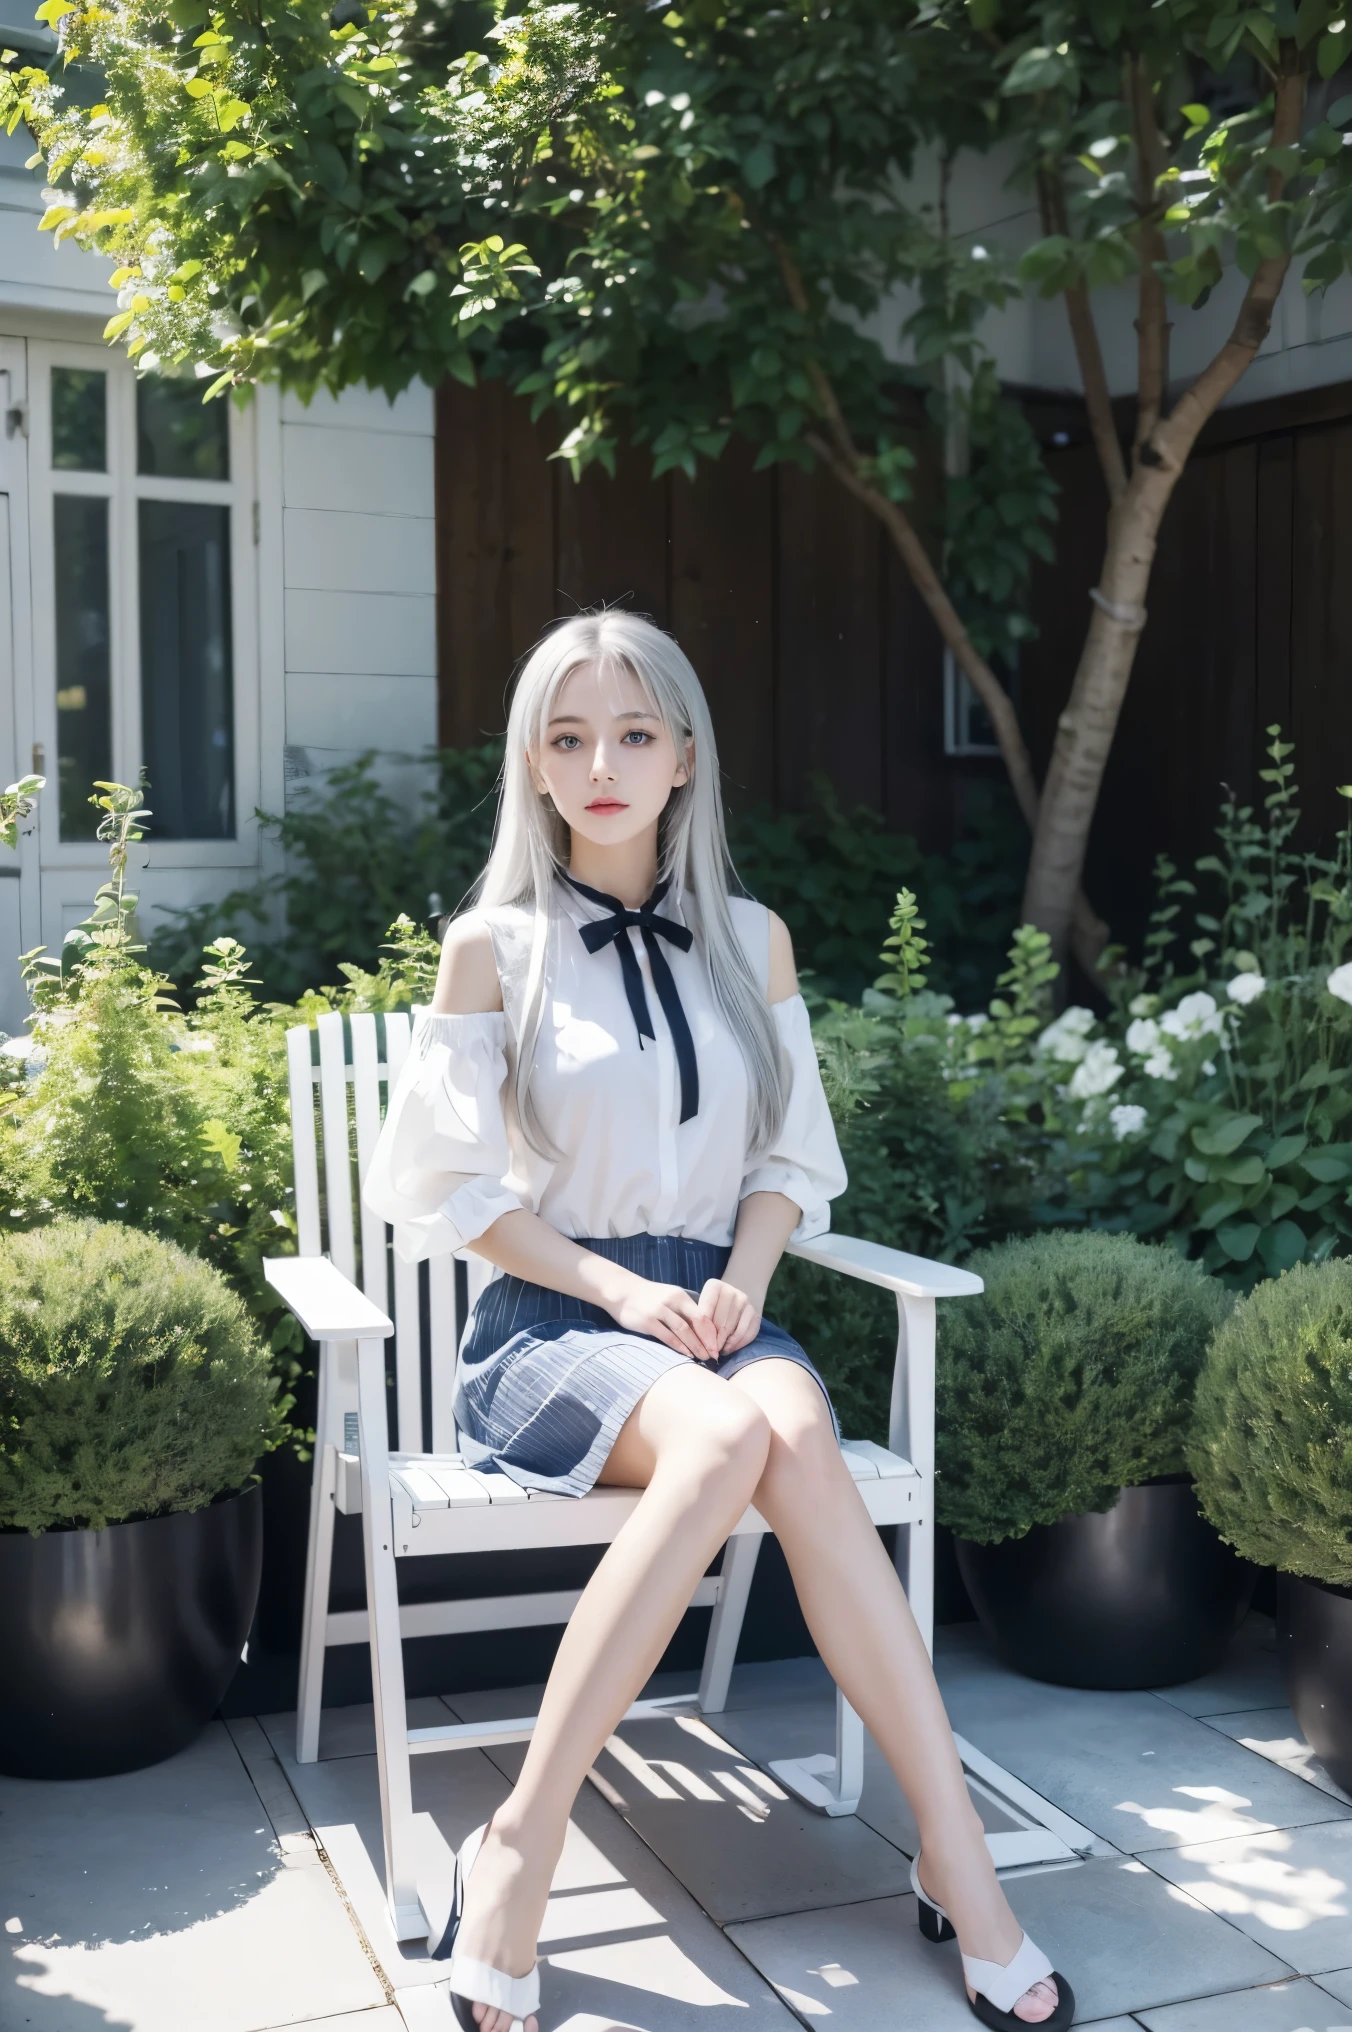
x: 613, y: 930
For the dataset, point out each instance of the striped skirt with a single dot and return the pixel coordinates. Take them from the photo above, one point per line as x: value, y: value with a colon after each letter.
x: 545, y: 1382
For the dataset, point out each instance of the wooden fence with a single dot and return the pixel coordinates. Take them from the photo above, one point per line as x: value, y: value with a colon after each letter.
x: 817, y: 655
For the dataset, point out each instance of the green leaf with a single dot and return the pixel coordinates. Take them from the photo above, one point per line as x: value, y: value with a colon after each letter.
x: 1038, y: 70
x: 758, y: 165
x: 1242, y: 1171
x: 1228, y: 1132
x: 1284, y: 1150
x: 1281, y: 1246
x: 1238, y: 1239
x: 1328, y: 1170
x: 1333, y: 52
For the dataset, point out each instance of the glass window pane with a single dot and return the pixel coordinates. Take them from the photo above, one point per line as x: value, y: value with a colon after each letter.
x: 83, y: 707
x: 178, y: 436
x: 187, y: 689
x: 80, y: 419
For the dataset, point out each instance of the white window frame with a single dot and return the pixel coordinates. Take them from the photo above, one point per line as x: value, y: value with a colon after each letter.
x: 961, y: 704
x: 123, y: 487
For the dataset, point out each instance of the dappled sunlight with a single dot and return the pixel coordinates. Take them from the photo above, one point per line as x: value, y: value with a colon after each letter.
x: 1254, y: 1878
x: 668, y: 1778
x: 1217, y: 1816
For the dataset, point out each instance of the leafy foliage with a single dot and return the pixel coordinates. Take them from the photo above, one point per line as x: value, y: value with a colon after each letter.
x: 131, y: 1381
x: 1271, y: 1448
x: 16, y: 802
x: 357, y: 858
x: 1070, y: 1378
x: 125, y: 1110
x: 1230, y: 1065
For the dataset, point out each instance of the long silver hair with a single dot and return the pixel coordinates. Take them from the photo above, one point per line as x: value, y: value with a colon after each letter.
x: 530, y: 843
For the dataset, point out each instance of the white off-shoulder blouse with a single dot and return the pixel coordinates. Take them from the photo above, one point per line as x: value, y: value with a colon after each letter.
x: 451, y: 1157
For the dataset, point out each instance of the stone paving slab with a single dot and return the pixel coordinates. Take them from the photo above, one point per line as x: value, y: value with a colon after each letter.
x: 1249, y: 1675
x: 158, y: 1901
x: 622, y: 1942
x: 1272, y: 1733
x: 1338, y: 1983
x: 1124, y: 1939
x: 1130, y: 1766
x: 1277, y: 2007
x: 738, y: 1842
x: 1290, y: 1890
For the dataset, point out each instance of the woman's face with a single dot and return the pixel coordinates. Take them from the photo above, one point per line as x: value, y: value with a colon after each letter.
x: 606, y: 758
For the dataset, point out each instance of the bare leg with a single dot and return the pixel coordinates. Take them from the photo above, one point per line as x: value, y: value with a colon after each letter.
x: 697, y: 1449
x: 862, y: 1625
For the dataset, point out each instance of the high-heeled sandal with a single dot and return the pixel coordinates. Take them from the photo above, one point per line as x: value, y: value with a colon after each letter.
x: 478, y: 1982
x: 998, y: 1988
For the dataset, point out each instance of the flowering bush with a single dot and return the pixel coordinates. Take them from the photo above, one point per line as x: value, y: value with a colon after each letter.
x: 1231, y: 1076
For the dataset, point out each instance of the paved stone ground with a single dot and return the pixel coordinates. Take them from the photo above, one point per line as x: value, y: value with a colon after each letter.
x: 231, y: 1890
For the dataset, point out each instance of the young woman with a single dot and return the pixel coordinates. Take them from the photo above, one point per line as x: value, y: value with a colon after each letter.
x: 615, y: 1100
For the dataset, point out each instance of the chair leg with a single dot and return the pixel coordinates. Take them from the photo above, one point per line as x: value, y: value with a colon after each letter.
x: 918, y: 1576
x: 318, y: 1567
x: 387, y: 1656
x: 720, y: 1651
x: 832, y: 1784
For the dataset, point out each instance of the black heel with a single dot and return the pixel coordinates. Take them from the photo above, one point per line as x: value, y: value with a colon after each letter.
x: 933, y: 1925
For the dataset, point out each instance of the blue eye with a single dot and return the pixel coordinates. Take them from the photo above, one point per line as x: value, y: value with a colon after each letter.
x: 567, y: 741
x: 638, y: 735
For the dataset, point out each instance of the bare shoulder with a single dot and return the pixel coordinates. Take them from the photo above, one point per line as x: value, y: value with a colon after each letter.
x: 783, y: 973
x: 467, y: 979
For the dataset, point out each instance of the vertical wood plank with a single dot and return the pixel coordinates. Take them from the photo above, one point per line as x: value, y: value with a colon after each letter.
x: 722, y: 611
x: 1272, y: 593
x: 613, y: 539
x: 1321, y: 627
x: 495, y: 552
x: 829, y: 609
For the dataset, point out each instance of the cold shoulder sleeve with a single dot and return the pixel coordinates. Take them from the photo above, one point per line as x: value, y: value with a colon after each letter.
x: 805, y: 1163
x: 437, y: 1171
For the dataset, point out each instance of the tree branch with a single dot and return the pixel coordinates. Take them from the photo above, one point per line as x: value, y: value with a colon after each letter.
x: 1175, y: 438
x: 1152, y: 323
x: 839, y: 453
x: 1084, y: 334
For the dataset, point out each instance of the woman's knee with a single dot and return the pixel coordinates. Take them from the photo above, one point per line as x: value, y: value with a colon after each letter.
x: 714, y: 1433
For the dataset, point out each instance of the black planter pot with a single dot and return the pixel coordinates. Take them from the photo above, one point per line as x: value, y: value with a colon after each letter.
x: 116, y: 1645
x: 1145, y: 1594
x: 1314, y: 1643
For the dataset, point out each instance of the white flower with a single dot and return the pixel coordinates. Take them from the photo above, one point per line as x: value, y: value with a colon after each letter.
x: 1339, y: 982
x: 1245, y: 988
x: 1160, y: 1065
x: 1098, y: 1070
x: 1127, y: 1119
x: 1142, y: 1005
x: 977, y: 1022
x: 1066, y: 1040
x: 1143, y: 1036
x: 1209, y: 1068
x: 1196, y: 1016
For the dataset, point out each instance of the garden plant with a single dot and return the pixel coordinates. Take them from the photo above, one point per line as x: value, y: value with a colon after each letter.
x: 1271, y: 1445
x: 1069, y: 1380
x: 133, y: 1383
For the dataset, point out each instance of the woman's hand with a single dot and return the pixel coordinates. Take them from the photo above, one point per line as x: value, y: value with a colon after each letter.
x: 734, y: 1317
x: 668, y: 1313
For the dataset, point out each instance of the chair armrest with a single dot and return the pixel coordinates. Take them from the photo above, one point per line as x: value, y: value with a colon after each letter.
x: 328, y: 1305
x: 908, y: 1276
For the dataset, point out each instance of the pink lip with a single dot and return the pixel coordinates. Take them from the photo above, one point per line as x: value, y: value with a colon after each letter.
x: 607, y: 804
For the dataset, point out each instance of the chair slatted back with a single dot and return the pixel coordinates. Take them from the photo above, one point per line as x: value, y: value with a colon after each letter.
x: 341, y: 1073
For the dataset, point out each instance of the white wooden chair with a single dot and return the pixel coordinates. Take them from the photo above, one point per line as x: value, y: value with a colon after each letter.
x: 421, y: 1498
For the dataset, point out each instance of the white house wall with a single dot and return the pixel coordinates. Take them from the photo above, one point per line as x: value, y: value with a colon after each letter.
x: 1309, y: 346
x: 358, y: 533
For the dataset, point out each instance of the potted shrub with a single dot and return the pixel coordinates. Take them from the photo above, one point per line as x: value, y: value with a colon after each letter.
x: 1064, y: 1403
x: 1272, y: 1453
x: 135, y: 1398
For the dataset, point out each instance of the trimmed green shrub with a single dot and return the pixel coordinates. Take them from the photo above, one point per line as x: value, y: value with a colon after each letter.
x: 132, y: 1383
x: 1070, y: 1378
x: 1271, y: 1446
